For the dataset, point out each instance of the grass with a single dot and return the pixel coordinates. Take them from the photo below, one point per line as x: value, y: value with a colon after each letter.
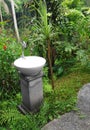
x: 56, y: 103
x: 74, y: 80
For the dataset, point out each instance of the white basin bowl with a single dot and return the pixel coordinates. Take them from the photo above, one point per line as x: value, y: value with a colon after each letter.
x: 30, y: 65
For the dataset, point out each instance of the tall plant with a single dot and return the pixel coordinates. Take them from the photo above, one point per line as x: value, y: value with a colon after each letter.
x: 46, y: 31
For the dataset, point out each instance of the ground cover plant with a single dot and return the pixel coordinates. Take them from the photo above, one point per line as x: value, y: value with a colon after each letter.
x: 56, y: 103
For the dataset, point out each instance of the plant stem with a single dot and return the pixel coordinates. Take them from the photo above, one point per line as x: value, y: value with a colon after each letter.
x: 50, y: 63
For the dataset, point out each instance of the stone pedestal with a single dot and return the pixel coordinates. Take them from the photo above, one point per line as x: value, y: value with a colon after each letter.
x: 32, y: 93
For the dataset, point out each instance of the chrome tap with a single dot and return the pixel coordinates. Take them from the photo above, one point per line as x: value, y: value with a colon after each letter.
x: 24, y: 45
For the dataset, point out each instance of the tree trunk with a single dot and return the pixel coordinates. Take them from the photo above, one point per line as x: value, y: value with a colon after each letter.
x: 50, y: 63
x: 15, y: 20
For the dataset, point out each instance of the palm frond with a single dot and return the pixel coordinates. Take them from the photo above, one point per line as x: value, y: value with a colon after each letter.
x: 14, y: 3
x: 4, y: 5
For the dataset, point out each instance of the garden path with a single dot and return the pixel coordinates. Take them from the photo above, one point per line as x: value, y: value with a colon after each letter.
x: 75, y: 120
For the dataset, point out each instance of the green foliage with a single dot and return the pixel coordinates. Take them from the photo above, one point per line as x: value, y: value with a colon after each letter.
x: 9, y: 51
x: 83, y: 57
x: 11, y: 118
x: 73, y: 29
x: 65, y: 22
x: 70, y: 33
x: 45, y: 26
x: 74, y: 14
x: 56, y: 103
x: 9, y: 76
x: 42, y: 26
x: 2, y: 128
x: 16, y: 121
x: 73, y: 3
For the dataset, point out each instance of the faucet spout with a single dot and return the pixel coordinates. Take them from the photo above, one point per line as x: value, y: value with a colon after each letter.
x: 23, y: 43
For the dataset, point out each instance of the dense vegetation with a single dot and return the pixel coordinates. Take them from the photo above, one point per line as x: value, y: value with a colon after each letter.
x: 59, y: 31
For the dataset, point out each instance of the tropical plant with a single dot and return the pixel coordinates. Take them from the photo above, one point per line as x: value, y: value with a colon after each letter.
x: 74, y: 32
x: 4, y: 5
x: 45, y: 33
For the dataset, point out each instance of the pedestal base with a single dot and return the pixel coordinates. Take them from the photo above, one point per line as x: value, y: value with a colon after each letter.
x: 22, y: 110
x: 25, y: 110
x: 32, y: 93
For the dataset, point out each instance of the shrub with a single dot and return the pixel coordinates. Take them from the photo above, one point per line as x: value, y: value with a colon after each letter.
x: 9, y: 76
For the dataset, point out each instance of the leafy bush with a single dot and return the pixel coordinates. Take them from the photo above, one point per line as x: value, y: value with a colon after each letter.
x: 69, y: 35
x: 9, y: 51
x: 8, y: 77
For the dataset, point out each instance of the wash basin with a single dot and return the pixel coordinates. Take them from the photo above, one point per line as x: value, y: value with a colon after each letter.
x: 29, y: 65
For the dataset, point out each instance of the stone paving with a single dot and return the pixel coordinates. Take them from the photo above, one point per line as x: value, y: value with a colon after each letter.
x: 79, y: 120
